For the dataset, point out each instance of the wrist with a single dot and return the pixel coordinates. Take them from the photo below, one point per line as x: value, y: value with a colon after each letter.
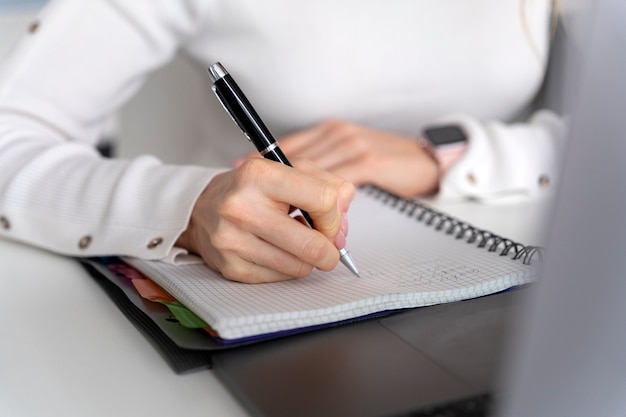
x: 444, y: 144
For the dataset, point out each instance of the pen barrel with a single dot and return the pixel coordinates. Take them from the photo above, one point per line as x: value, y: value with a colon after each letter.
x: 241, y: 111
x: 276, y: 154
x: 237, y: 105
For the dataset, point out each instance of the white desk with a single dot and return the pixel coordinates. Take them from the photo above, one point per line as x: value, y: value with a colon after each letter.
x: 67, y: 351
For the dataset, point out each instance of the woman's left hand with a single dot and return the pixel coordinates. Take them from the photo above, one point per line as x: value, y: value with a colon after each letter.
x: 364, y: 155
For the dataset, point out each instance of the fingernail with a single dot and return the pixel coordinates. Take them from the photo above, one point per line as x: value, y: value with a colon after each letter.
x: 344, y: 224
x: 238, y: 162
x: 340, y: 240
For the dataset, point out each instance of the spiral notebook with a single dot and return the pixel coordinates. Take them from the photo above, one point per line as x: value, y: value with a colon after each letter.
x: 409, y: 255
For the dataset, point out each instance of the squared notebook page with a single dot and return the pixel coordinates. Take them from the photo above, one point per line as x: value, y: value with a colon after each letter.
x: 403, y: 263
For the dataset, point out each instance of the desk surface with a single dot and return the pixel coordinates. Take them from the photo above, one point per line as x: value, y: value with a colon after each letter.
x: 111, y: 369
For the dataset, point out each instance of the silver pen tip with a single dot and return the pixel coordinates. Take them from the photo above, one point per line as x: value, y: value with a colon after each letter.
x: 217, y: 71
x: 346, y: 259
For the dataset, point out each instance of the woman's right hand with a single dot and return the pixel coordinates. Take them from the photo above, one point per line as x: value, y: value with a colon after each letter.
x: 241, y: 227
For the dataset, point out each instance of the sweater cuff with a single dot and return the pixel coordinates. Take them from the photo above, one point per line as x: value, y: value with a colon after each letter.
x: 505, y: 161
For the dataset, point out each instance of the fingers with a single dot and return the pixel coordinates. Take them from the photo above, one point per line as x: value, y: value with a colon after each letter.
x: 345, y: 189
x: 363, y: 155
x: 323, y: 195
x: 305, y: 244
x: 320, y: 143
x: 241, y: 227
x: 309, y: 143
x: 327, y: 144
x: 304, y: 186
x: 299, y: 143
x: 345, y: 194
x: 247, y: 258
x: 347, y: 150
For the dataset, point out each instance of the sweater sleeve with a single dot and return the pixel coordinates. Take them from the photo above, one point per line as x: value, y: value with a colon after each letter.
x: 505, y: 161
x: 78, y: 63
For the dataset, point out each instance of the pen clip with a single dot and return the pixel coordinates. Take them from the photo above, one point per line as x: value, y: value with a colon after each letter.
x: 219, y: 98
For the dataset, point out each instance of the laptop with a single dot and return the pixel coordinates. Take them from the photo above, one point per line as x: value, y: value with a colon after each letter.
x: 553, y: 349
x: 569, y: 357
x: 415, y: 360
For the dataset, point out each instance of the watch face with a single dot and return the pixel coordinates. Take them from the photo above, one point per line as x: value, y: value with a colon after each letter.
x: 445, y: 135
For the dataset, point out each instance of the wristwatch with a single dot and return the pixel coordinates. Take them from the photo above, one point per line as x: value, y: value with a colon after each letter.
x: 446, y: 144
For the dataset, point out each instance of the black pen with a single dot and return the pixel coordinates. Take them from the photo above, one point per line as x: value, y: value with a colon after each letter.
x: 239, y: 108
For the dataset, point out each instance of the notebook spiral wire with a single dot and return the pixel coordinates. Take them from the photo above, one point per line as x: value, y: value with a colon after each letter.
x: 457, y: 228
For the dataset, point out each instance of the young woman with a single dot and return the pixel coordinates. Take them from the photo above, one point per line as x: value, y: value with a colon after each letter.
x: 352, y: 84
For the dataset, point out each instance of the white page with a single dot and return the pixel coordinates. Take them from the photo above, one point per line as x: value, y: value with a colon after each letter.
x: 403, y: 263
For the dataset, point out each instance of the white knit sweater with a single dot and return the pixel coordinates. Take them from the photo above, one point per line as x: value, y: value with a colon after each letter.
x: 396, y: 65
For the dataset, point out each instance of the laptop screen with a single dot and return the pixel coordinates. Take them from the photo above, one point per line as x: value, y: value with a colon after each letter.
x: 568, y: 358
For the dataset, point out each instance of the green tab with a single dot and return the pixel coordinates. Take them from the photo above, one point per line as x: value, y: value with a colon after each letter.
x: 185, y: 316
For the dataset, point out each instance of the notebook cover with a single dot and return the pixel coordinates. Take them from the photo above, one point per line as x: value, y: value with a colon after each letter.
x: 184, y: 349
